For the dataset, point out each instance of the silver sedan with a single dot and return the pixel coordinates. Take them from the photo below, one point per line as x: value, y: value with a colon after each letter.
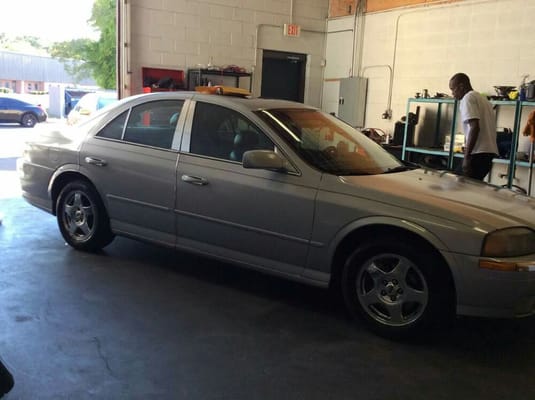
x: 289, y: 190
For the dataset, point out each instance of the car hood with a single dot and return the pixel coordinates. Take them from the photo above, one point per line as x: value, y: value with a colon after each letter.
x: 447, y: 196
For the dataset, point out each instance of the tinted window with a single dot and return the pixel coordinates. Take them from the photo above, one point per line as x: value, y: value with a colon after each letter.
x: 114, y: 130
x: 328, y: 143
x: 151, y: 124
x: 223, y: 133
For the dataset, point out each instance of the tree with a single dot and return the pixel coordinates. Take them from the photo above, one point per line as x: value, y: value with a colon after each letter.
x: 85, y: 57
x: 31, y: 44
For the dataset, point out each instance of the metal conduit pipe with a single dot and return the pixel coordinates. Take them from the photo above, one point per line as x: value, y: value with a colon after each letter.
x: 388, y: 112
x: 425, y: 8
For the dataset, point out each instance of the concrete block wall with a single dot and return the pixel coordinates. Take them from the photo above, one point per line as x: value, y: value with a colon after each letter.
x: 490, y: 40
x: 182, y: 34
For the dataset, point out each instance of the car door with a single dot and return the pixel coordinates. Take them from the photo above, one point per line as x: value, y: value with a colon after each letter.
x: 258, y: 217
x: 3, y: 105
x: 132, y: 162
x: 8, y: 111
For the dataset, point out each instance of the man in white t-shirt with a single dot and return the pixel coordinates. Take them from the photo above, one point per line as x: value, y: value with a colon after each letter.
x: 479, y: 127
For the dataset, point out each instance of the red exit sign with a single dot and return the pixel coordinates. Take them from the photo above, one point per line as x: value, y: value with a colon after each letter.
x: 292, y: 30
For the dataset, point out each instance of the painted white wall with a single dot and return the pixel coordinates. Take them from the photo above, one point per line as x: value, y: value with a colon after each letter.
x: 423, y: 46
x: 182, y: 34
x: 490, y: 40
x: 338, y: 60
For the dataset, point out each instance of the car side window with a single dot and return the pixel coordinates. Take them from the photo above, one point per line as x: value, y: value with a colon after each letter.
x: 114, y: 129
x: 223, y: 133
x: 152, y: 124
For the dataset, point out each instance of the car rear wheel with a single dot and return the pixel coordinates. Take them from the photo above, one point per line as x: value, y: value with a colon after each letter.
x: 397, y: 290
x: 82, y: 218
x: 28, y: 120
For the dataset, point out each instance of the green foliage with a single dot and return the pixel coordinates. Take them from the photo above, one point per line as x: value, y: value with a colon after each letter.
x: 24, y: 43
x: 83, y: 58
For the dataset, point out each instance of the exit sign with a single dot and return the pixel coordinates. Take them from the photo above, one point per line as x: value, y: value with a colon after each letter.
x: 292, y: 30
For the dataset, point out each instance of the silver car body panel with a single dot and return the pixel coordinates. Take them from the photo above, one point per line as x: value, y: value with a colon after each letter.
x: 272, y: 234
x: 145, y: 213
x: 286, y: 223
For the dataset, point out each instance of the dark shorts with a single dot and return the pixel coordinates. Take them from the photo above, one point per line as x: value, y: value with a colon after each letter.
x: 481, y: 164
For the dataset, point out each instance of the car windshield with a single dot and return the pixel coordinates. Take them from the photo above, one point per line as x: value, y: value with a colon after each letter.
x: 105, y: 101
x: 329, y: 144
x: 95, y: 117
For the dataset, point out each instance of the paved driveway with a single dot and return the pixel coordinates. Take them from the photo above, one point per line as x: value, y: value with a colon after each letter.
x: 141, y: 322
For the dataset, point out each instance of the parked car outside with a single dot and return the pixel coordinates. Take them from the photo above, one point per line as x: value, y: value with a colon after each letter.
x: 88, y: 104
x: 72, y: 97
x: 21, y: 112
x: 287, y: 189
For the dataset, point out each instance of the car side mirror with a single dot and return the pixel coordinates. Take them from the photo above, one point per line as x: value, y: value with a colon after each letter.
x: 85, y: 111
x: 264, y: 159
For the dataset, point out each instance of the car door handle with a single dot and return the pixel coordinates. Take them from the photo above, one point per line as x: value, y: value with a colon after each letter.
x: 194, y: 180
x: 95, y: 161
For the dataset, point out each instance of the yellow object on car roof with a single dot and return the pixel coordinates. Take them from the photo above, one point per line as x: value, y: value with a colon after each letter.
x: 223, y: 90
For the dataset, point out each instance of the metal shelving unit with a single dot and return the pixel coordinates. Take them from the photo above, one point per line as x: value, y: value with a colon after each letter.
x: 196, y: 77
x: 529, y: 163
x: 440, y: 103
x: 512, y: 162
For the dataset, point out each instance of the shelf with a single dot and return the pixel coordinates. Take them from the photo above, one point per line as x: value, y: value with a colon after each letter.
x: 523, y: 163
x: 152, y: 77
x: 433, y: 100
x: 427, y: 150
x: 196, y: 77
x: 439, y: 102
x: 511, y: 162
x: 222, y: 72
x: 504, y: 102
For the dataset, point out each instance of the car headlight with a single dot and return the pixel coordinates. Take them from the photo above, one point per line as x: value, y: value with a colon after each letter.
x: 509, y: 242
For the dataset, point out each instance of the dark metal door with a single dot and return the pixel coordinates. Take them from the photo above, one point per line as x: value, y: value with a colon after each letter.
x: 283, y: 75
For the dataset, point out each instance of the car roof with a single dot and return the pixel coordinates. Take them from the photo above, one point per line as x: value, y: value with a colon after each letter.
x: 236, y: 102
x: 111, y: 95
x: 17, y: 101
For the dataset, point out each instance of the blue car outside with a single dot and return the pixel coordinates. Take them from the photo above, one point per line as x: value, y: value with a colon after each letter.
x: 21, y: 112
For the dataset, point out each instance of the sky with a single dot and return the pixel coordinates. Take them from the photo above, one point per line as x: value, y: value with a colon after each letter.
x: 50, y: 20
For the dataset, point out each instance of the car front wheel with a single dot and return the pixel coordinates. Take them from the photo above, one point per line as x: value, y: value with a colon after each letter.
x: 82, y: 218
x: 28, y: 120
x: 398, y: 289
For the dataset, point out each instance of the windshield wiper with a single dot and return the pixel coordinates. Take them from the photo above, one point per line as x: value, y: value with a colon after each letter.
x: 400, y: 168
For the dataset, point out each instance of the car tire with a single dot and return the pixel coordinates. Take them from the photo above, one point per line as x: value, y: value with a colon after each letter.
x: 82, y: 217
x: 400, y: 291
x: 28, y: 120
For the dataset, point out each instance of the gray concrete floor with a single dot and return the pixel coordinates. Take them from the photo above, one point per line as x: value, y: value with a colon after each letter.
x: 141, y: 322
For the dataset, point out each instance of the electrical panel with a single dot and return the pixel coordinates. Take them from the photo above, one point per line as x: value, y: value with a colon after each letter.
x: 352, y: 100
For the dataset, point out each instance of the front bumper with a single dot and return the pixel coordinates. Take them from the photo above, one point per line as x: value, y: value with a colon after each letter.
x: 493, y: 293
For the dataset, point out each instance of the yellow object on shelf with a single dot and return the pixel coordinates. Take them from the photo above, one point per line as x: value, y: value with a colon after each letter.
x: 513, y: 95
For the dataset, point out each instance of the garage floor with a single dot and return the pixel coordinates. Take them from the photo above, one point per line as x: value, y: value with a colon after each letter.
x: 140, y: 322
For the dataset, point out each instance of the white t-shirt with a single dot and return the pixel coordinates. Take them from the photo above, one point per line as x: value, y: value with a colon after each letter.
x: 475, y: 106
